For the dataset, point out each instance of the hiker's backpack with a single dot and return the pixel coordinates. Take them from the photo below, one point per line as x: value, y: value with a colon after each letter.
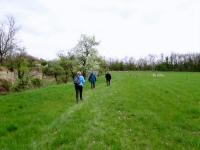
x: 76, y: 80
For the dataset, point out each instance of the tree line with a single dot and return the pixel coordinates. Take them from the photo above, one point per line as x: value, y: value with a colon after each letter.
x: 173, y: 62
x: 82, y: 57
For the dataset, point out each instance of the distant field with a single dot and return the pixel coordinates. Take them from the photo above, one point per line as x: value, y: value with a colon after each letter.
x: 138, y: 111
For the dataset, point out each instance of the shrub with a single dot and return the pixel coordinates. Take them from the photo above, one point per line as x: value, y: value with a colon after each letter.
x: 5, y: 86
x: 62, y: 79
x: 36, y: 82
x: 21, y: 84
x: 16, y: 87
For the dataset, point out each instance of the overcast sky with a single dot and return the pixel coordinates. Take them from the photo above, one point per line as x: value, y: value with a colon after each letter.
x: 124, y: 27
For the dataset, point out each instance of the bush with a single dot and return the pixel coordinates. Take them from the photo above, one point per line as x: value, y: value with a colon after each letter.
x: 17, y: 87
x: 21, y: 84
x: 62, y: 79
x: 5, y: 86
x: 36, y: 82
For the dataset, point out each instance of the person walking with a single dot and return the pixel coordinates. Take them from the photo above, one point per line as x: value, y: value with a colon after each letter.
x: 79, y: 82
x: 92, y: 78
x: 108, y: 78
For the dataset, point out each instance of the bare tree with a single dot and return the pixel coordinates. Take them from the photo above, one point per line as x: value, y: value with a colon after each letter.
x: 151, y: 60
x: 8, y: 31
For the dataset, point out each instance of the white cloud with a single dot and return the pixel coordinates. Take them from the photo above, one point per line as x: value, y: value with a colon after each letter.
x: 124, y: 27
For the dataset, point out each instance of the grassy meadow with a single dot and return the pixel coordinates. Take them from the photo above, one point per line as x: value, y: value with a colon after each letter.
x: 138, y: 111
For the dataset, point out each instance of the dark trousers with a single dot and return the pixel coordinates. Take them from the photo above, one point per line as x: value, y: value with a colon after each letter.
x: 79, y: 91
x: 108, y: 82
x: 92, y: 85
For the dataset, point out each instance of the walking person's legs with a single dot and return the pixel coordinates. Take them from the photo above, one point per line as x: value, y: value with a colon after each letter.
x: 77, y: 92
x: 93, y: 84
x: 107, y: 82
x: 81, y: 92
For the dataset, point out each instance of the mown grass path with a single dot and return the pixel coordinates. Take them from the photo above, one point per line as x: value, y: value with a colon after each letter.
x: 137, y: 111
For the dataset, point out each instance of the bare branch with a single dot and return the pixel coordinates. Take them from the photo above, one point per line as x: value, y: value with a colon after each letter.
x: 8, y: 31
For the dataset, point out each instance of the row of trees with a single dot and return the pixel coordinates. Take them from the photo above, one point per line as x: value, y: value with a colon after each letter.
x: 83, y: 57
x: 173, y: 62
x: 12, y: 56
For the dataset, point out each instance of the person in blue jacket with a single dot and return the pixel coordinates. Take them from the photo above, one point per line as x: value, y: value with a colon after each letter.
x: 92, y: 78
x: 79, y: 82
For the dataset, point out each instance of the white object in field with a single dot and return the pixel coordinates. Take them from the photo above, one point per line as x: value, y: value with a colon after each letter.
x: 158, y: 75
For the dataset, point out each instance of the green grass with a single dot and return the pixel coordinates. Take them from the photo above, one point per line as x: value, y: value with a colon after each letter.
x: 138, y: 111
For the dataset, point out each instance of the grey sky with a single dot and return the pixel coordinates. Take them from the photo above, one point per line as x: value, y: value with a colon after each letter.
x: 124, y: 27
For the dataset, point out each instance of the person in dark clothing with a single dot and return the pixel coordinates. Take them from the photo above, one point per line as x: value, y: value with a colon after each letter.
x: 79, y: 82
x: 92, y: 78
x: 108, y: 78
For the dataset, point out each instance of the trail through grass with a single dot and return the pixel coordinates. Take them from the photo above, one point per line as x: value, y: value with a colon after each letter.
x: 138, y: 111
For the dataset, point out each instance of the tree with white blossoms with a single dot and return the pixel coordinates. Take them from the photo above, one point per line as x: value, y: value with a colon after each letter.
x: 86, y: 53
